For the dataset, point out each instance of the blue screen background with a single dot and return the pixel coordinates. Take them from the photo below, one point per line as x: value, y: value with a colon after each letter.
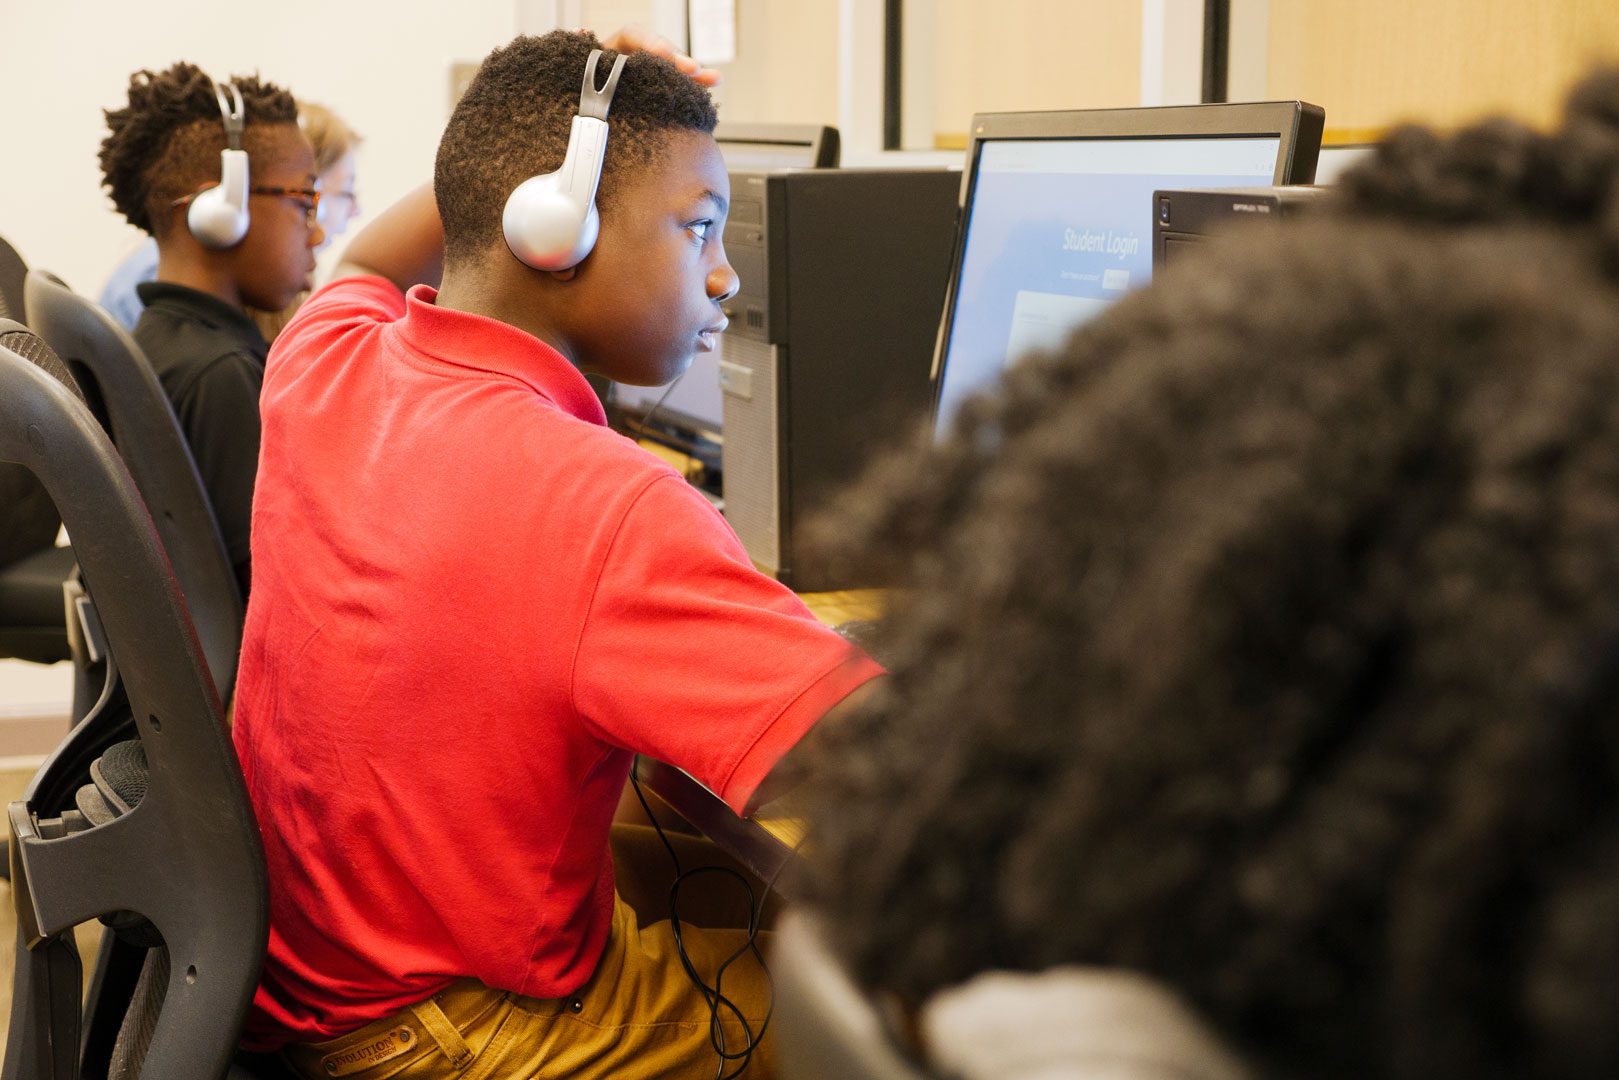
x: 1030, y: 236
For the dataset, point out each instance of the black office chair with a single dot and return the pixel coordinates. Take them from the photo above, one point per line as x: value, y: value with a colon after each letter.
x: 32, y: 569
x: 125, y: 395
x: 140, y: 816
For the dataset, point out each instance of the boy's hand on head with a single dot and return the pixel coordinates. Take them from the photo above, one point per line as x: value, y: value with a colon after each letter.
x: 633, y: 38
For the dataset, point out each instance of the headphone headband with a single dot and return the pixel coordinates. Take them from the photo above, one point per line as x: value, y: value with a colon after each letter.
x: 594, y: 102
x: 235, y: 118
x: 218, y: 217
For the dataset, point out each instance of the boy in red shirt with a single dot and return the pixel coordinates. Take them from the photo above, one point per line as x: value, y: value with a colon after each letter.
x: 473, y: 603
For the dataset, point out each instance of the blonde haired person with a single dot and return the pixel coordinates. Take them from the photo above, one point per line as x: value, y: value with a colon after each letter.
x: 335, y: 144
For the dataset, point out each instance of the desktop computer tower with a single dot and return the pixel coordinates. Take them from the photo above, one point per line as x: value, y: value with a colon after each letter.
x: 1184, y: 220
x: 830, y: 346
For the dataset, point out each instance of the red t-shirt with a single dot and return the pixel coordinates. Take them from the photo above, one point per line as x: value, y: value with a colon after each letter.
x: 471, y: 603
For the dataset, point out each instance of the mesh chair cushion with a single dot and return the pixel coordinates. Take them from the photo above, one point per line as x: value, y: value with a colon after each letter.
x: 121, y: 774
x: 32, y: 347
x: 119, y: 780
x: 135, y: 1036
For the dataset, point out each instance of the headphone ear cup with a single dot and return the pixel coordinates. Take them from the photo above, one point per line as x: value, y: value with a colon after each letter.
x: 545, y: 227
x: 214, y: 222
x: 218, y: 217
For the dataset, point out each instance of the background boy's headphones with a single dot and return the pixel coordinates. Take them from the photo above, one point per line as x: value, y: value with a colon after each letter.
x: 550, y: 221
x: 217, y: 217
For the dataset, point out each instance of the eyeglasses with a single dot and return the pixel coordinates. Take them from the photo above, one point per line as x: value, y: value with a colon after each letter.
x: 307, y: 199
x: 337, y: 206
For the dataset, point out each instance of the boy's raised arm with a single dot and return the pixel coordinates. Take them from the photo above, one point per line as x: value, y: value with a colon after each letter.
x: 405, y: 244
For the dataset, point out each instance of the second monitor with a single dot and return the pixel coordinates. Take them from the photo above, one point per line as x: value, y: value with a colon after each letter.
x: 1057, y: 211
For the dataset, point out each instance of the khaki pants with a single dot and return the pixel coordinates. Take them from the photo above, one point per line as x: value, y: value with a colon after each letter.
x: 639, y: 1016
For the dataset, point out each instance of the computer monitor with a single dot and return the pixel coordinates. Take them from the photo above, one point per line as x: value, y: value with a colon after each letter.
x: 690, y: 412
x: 1056, y: 217
x: 690, y: 408
x: 1339, y: 158
x: 777, y: 146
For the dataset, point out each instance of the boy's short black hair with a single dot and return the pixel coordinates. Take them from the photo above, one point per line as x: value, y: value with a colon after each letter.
x: 164, y: 144
x: 513, y: 123
x: 1265, y: 637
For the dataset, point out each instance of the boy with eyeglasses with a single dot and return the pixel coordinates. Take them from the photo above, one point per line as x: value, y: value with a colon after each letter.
x: 163, y: 150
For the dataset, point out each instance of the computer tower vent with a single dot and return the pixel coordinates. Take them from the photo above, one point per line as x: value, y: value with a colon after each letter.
x: 748, y: 377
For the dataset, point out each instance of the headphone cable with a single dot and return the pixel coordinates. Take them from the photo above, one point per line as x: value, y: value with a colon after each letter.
x: 717, y: 1001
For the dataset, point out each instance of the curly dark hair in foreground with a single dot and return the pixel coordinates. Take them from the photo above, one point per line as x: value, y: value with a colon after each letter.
x: 165, y: 143
x: 514, y: 119
x: 1265, y: 639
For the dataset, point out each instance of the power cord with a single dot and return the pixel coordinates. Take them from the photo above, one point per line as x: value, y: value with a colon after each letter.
x: 646, y: 421
x: 642, y: 428
x: 718, y: 1003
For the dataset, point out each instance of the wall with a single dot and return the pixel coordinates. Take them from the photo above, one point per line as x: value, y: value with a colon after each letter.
x: 786, y: 67
x: 1046, y: 54
x: 1373, y: 63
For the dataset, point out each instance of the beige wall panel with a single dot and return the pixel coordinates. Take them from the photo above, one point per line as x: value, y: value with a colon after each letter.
x: 786, y: 67
x: 1035, y: 54
x: 1374, y: 63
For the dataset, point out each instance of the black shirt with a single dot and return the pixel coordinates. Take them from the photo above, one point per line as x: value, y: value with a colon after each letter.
x: 209, y: 357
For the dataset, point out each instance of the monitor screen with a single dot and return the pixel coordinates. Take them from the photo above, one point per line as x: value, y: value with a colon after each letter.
x: 692, y: 401
x: 1055, y: 227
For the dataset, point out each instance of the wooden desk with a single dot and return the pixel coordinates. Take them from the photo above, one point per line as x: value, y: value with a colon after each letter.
x: 765, y: 842
x: 833, y: 608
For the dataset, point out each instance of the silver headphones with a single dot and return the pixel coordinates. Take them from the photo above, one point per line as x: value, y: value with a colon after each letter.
x: 217, y: 217
x: 550, y: 221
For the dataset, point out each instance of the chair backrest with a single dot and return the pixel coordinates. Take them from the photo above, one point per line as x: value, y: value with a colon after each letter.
x: 28, y: 521
x: 12, y: 269
x: 125, y: 394
x: 181, y: 849
x: 825, y: 1028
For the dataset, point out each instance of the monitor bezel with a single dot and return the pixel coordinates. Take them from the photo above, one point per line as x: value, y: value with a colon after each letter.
x: 1297, y: 125
x: 821, y: 140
